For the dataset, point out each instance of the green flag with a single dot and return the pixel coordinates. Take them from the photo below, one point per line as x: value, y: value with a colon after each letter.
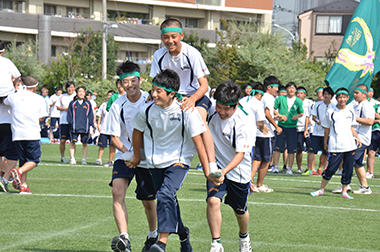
x: 358, y: 58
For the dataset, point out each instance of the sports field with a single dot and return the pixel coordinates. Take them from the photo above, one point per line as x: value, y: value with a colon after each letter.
x: 71, y: 210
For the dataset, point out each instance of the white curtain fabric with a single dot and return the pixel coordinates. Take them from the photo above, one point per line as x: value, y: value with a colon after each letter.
x: 335, y: 24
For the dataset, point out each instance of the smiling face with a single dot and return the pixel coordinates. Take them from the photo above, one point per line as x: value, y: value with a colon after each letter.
x: 359, y: 96
x: 172, y: 41
x: 161, y: 97
x: 342, y: 100
x: 81, y: 92
x: 131, y: 85
x: 225, y: 111
x: 70, y: 90
x: 291, y: 90
x: 301, y: 95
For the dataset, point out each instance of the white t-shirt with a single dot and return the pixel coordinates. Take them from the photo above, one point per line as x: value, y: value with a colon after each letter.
x: 320, y: 112
x: 5, y: 114
x: 122, y: 127
x: 64, y: 101
x: 231, y: 136
x: 268, y: 101
x: 364, y: 110
x: 255, y: 110
x: 306, y: 104
x: 48, y: 103
x: 188, y: 64
x: 103, y: 114
x: 339, y: 121
x: 8, y: 70
x: 172, y: 130
x: 54, y: 112
x: 26, y: 110
x: 373, y: 102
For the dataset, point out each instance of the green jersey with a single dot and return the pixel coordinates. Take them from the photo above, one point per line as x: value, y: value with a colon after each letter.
x: 281, y: 104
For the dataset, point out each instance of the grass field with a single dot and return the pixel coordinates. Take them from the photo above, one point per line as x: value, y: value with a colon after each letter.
x: 71, y: 210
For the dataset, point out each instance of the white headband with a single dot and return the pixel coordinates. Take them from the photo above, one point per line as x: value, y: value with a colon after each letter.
x: 2, y: 50
x: 32, y: 86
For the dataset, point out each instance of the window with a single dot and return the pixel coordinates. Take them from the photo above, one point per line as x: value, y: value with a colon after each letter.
x: 128, y: 17
x: 329, y: 25
x: 21, y: 6
x: 53, y: 51
x: 187, y: 22
x: 50, y: 10
x: 210, y: 2
x: 6, y: 4
x: 131, y: 56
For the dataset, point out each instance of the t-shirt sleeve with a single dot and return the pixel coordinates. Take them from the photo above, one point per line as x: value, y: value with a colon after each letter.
x: 44, y: 112
x: 194, y: 123
x: 368, y: 111
x: 260, y: 112
x: 113, y: 123
x: 14, y: 71
x: 154, y: 69
x: 139, y: 121
x: 242, y: 137
x: 326, y: 121
x: 199, y: 66
x: 300, y: 106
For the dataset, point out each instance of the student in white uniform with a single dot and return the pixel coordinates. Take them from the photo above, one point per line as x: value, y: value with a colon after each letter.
x: 188, y: 63
x: 168, y: 135
x: 119, y: 126
x: 371, y: 100
x: 26, y: 129
x: 64, y: 129
x: 55, y: 114
x: 230, y: 129
x: 45, y: 124
x: 341, y: 141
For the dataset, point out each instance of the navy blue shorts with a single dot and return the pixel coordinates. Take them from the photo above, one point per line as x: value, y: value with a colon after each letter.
x: 83, y: 137
x: 237, y: 194
x: 28, y: 151
x: 145, y: 188
x: 104, y: 140
x: 121, y: 170
x: 317, y: 144
x: 375, y: 141
x: 64, y: 131
x: 262, y: 151
x: 54, y: 122
x: 7, y: 146
x: 287, y: 140
x: 203, y: 102
x: 334, y: 160
x: 303, y: 143
x: 359, y: 156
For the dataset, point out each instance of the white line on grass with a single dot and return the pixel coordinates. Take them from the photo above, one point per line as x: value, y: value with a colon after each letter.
x: 202, y: 200
x: 53, y: 234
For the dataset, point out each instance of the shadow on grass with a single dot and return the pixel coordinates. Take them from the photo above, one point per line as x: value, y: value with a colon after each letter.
x: 58, y: 250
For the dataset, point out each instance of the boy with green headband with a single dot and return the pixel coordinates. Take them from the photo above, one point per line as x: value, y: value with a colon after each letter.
x: 119, y: 126
x: 188, y: 63
x: 169, y: 137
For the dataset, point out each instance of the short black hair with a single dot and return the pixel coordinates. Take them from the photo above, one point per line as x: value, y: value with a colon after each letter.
x: 328, y: 90
x: 2, y: 45
x: 117, y: 82
x: 259, y: 86
x: 168, y: 78
x: 281, y: 87
x: 340, y: 89
x: 57, y: 88
x: 69, y: 83
x: 44, y: 86
x: 290, y: 84
x: 171, y: 22
x: 228, y: 92
x: 76, y: 90
x: 89, y: 92
x: 110, y: 92
x: 127, y: 67
x: 302, y: 87
x: 271, y: 79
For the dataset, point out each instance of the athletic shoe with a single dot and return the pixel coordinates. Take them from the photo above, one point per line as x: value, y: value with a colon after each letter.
x: 120, y: 243
x: 346, y: 196
x: 245, y: 244
x: 284, y: 169
x: 299, y: 171
x: 63, y: 160
x: 270, y: 169
x: 109, y: 164
x: 264, y: 188
x: 339, y: 189
x: 275, y: 170
x: 16, y: 175
x: 84, y: 162
x: 199, y: 167
x: 25, y: 190
x: 255, y: 189
x: 99, y: 162
x: 314, y: 172
x: 215, y: 172
x: 148, y: 243
x: 307, y: 172
x: 157, y: 248
x: 363, y: 190
x: 369, y: 175
x: 320, y: 171
x: 185, y: 244
x: 216, y: 247
x: 73, y: 161
x: 3, y: 185
x: 289, y: 172
x: 339, y: 172
x: 317, y: 193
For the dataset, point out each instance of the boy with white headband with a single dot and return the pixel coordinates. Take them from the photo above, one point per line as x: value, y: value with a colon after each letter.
x: 26, y: 129
x: 188, y: 63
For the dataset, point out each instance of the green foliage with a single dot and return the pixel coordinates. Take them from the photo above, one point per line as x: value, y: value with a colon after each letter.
x: 25, y: 58
x: 199, y: 43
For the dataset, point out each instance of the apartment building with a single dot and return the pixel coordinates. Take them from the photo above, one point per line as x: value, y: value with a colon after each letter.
x: 138, y: 20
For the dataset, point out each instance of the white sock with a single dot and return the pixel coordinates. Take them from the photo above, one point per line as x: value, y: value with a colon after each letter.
x: 152, y: 234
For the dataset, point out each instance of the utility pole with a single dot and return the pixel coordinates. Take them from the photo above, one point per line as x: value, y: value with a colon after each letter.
x: 104, y: 42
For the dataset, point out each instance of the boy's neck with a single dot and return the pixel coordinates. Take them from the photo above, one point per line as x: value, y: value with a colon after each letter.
x: 290, y: 96
x: 176, y: 52
x: 326, y: 102
x: 134, y: 98
x: 167, y: 105
x: 341, y: 107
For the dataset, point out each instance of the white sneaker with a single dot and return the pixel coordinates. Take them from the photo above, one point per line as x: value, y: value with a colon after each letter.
x: 64, y: 160
x: 245, y: 244
x: 99, y: 162
x: 369, y: 175
x: 289, y: 171
x: 84, y: 162
x: 264, y: 188
x: 317, y: 193
x: 73, y: 161
x: 339, y: 172
x: 216, y: 247
x: 363, y: 190
x: 339, y: 189
x: 275, y: 170
x: 299, y: 171
x: 109, y: 164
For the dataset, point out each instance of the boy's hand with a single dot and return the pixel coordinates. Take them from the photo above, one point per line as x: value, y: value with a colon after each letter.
x: 187, y: 103
x: 283, y: 118
x: 295, y: 117
x: 278, y: 130
x: 306, y: 134
x: 214, y: 181
x: 133, y: 162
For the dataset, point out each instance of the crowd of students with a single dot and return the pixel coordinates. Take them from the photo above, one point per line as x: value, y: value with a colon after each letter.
x: 154, y: 135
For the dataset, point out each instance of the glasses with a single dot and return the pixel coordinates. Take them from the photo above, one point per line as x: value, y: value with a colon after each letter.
x: 130, y: 81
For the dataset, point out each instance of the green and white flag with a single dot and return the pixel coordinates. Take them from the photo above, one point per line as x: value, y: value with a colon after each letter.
x: 358, y: 58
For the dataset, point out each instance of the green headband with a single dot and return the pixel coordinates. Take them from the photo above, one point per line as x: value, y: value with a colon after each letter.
x: 302, y: 90
x: 123, y: 75
x: 178, y: 95
x: 371, y: 89
x: 232, y: 104
x: 259, y: 91
x: 274, y: 85
x: 341, y: 92
x: 317, y: 90
x: 171, y: 29
x: 361, y: 90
